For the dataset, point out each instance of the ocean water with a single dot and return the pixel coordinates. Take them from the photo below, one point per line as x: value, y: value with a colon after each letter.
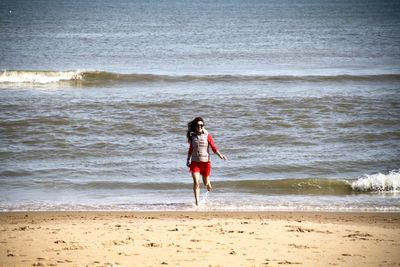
x: 303, y: 97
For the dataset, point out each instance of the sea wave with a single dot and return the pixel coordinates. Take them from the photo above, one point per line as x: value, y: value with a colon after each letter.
x: 378, y: 182
x: 39, y: 77
x: 389, y: 183
x: 88, y: 78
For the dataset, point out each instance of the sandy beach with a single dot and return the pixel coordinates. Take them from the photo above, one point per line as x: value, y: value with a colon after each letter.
x: 199, y: 239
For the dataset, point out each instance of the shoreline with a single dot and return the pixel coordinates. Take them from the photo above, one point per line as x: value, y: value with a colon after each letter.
x: 205, y: 213
x: 198, y: 238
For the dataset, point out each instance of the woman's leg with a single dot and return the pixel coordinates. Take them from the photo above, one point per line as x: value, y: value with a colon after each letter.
x: 206, y: 182
x: 196, y: 186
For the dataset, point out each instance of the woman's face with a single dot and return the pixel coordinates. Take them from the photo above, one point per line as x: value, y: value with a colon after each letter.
x: 199, y: 126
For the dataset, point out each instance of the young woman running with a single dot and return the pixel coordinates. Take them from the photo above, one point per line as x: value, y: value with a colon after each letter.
x: 198, y: 159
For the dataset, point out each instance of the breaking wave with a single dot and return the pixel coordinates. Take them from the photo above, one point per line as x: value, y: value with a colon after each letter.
x: 378, y: 182
x: 39, y: 77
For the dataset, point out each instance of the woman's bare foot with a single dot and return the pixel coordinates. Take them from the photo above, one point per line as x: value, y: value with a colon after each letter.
x: 209, y: 187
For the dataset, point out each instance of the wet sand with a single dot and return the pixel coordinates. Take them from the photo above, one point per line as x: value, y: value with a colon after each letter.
x: 199, y: 239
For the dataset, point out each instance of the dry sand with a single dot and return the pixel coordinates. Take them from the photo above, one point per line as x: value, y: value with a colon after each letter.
x: 199, y: 239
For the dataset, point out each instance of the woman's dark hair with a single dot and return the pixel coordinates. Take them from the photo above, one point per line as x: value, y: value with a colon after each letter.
x: 192, y: 127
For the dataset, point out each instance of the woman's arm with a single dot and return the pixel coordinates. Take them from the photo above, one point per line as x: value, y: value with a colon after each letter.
x: 190, y: 150
x: 214, y: 147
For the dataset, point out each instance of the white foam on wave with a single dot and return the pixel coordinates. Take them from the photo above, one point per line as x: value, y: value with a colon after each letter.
x: 39, y: 77
x: 378, y: 182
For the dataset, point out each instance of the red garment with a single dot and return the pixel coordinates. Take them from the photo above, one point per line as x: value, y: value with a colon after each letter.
x: 204, y: 168
x: 210, y: 142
